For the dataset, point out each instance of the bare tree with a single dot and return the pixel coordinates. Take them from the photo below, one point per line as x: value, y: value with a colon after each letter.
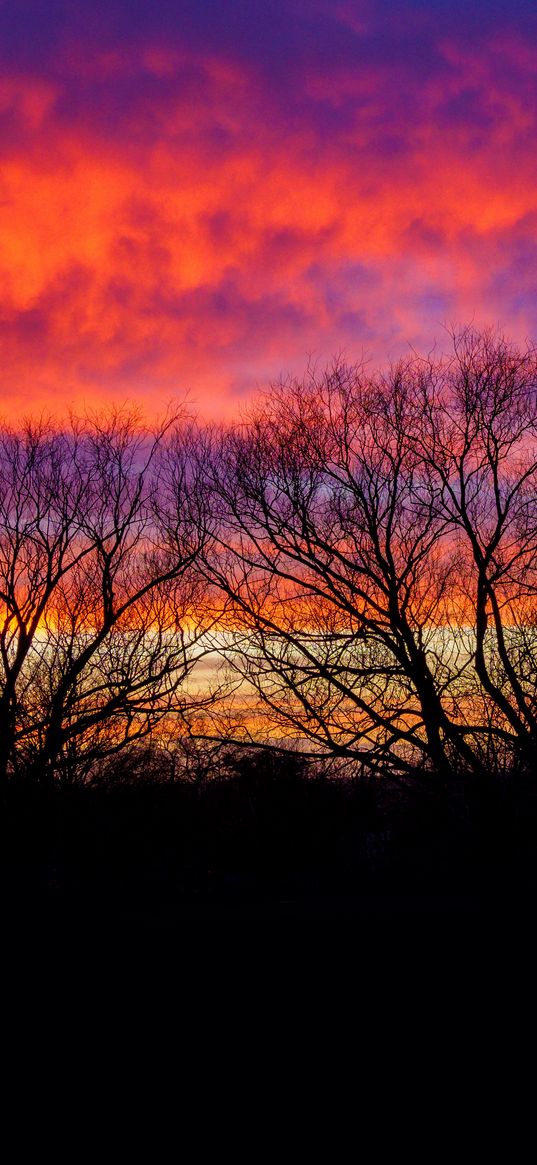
x: 103, y: 611
x: 375, y: 531
x: 44, y: 484
x: 361, y: 553
x: 479, y: 440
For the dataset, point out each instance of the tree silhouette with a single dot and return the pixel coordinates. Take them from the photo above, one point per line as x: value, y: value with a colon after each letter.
x: 361, y: 552
x: 103, y: 615
x: 378, y: 545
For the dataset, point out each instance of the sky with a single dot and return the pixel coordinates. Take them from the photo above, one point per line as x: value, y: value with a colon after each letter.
x: 198, y: 196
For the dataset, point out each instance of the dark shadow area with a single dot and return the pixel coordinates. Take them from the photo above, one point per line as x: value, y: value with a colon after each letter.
x: 270, y: 841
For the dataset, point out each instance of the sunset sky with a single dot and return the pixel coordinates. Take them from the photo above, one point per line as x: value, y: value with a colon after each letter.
x: 197, y: 195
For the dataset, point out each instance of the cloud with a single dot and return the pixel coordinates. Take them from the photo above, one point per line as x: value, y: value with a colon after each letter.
x: 194, y: 204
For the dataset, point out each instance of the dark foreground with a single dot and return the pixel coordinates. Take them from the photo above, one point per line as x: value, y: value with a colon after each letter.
x: 267, y: 844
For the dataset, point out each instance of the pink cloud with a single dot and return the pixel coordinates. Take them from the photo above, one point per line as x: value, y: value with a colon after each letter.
x: 213, y: 238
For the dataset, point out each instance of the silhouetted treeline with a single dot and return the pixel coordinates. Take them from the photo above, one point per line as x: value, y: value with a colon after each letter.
x: 355, y: 562
x: 269, y: 835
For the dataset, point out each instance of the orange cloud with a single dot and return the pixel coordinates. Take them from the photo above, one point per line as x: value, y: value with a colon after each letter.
x: 210, y: 241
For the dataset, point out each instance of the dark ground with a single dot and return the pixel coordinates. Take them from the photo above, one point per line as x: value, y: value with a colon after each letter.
x: 259, y: 932
x: 267, y: 845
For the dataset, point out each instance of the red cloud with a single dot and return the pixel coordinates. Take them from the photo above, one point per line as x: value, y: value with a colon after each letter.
x: 215, y: 240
